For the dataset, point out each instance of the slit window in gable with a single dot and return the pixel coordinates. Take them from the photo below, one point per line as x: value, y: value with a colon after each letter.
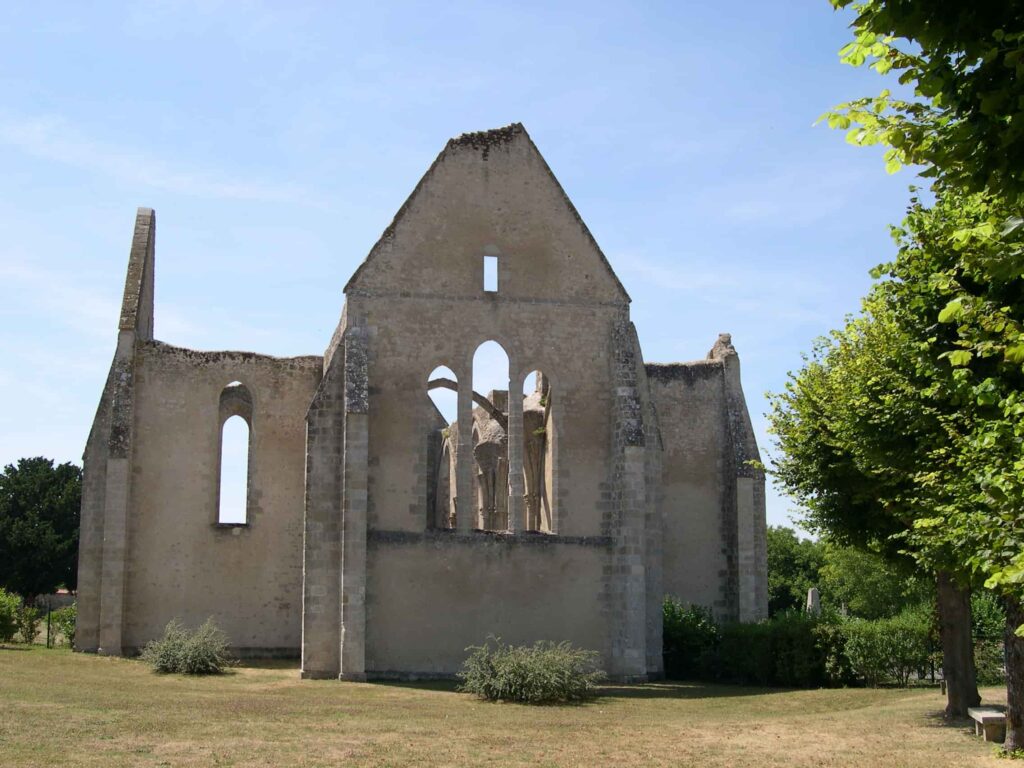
x: 491, y: 274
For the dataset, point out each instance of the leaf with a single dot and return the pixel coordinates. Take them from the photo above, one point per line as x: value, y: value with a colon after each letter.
x: 1014, y: 354
x: 953, y: 311
x: 959, y: 358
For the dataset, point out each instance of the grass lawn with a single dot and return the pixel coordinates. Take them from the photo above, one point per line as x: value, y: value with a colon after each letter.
x: 59, y: 708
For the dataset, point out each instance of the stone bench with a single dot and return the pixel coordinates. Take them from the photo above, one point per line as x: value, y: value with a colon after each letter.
x: 989, y: 722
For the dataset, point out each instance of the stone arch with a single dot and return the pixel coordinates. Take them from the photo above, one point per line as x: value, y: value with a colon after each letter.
x: 490, y: 373
x: 441, y: 446
x: 540, y: 463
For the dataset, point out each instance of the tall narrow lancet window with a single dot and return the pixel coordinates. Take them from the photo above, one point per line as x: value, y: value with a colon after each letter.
x: 441, y: 436
x: 539, y: 452
x: 235, y: 449
x: 490, y: 442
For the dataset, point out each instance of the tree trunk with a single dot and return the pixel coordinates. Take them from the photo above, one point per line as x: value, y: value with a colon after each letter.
x: 957, y: 646
x: 1014, y: 675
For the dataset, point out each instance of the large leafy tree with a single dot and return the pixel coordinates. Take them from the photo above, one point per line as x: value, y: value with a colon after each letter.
x: 856, y: 431
x: 39, y: 513
x: 955, y: 288
x: 963, y: 63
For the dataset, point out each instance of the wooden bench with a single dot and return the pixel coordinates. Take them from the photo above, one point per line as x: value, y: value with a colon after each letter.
x: 989, y: 722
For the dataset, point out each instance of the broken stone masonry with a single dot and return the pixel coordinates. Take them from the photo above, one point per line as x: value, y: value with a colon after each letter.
x: 380, y: 540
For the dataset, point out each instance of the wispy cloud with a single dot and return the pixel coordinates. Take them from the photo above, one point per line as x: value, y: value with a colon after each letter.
x: 54, y: 139
x: 55, y: 295
x: 794, y: 196
x: 783, y: 295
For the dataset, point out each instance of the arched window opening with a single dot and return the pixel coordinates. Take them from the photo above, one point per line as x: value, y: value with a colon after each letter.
x: 442, y: 389
x: 490, y: 439
x: 233, y: 480
x: 538, y: 452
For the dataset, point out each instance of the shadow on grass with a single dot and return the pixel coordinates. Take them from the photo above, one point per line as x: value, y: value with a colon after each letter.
x: 287, y: 664
x: 659, y: 690
x: 674, y: 689
x: 937, y: 719
x: 5, y: 647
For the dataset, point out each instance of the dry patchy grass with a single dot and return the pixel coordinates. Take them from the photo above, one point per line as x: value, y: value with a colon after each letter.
x: 59, y: 708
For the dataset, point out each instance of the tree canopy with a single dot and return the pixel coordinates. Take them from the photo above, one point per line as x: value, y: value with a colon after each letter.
x: 39, y: 512
x: 793, y: 567
x: 964, y: 64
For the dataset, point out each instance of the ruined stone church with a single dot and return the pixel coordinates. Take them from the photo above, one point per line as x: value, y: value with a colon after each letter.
x: 379, y: 538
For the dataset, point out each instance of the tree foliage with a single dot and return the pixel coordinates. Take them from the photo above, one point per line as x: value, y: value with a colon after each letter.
x: 854, y: 432
x: 867, y: 585
x: 964, y: 62
x: 956, y: 288
x: 793, y: 567
x: 39, y: 512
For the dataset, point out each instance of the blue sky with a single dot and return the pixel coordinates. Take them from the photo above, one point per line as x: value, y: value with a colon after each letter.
x: 276, y: 141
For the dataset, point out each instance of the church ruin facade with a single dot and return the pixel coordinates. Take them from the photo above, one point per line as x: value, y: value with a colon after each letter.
x: 380, y: 538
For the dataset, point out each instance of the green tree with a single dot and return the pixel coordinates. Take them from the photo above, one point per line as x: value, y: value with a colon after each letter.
x: 793, y: 565
x: 856, y: 432
x: 964, y: 62
x: 39, y: 512
x: 957, y: 288
x: 868, y: 585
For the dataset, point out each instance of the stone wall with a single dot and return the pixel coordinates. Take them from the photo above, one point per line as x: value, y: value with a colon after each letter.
x: 712, y: 497
x: 181, y: 562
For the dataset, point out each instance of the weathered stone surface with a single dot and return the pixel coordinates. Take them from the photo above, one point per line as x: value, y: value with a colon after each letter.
x: 381, y: 541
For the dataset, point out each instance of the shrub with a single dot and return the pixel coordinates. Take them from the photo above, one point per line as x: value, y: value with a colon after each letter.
x: 988, y: 619
x: 788, y: 650
x: 544, y: 673
x: 989, y: 662
x: 28, y: 623
x: 10, y: 607
x: 690, y: 639
x: 65, y: 620
x: 831, y: 634
x: 745, y: 653
x: 798, y: 650
x: 203, y: 652
x: 889, y: 649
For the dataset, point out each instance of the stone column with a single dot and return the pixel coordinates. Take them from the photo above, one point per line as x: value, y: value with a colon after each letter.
x: 321, y: 554
x: 354, y: 507
x: 465, y: 500
x: 353, y: 551
x: 116, y: 498
x: 746, y: 564
x: 516, y: 485
x: 115, y: 541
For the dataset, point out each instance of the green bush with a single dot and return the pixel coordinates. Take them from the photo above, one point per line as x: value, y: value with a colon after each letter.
x: 988, y: 619
x: 28, y: 623
x: 989, y: 662
x: 203, y: 652
x: 789, y: 650
x: 798, y: 651
x: 10, y: 607
x: 745, y: 653
x: 831, y: 635
x: 544, y: 673
x: 889, y: 649
x: 690, y: 639
x: 65, y: 619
